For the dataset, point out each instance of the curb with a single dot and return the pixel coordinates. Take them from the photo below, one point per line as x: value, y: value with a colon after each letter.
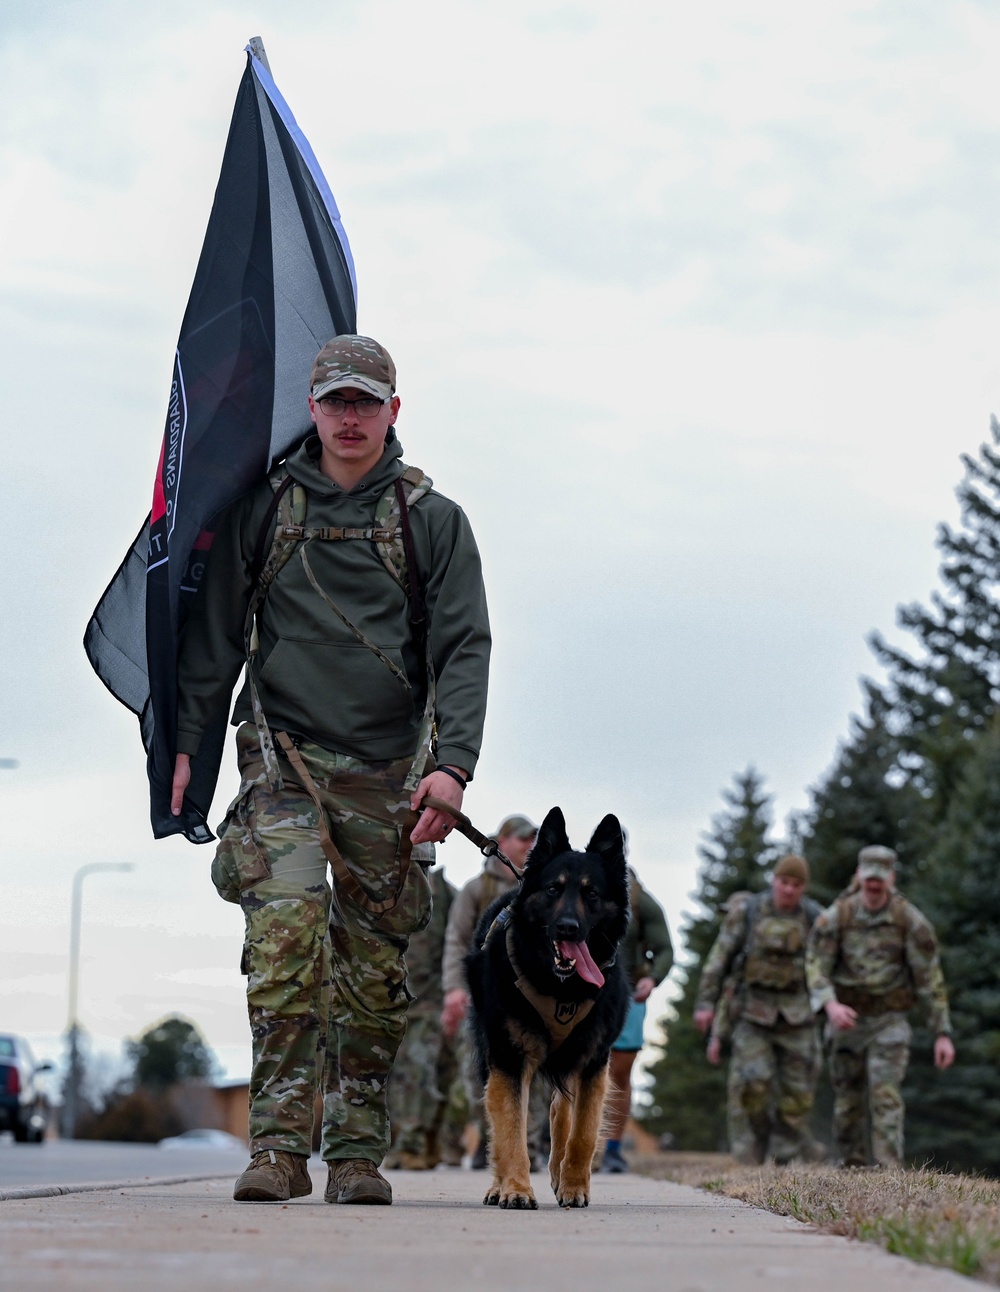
x: 57, y: 1190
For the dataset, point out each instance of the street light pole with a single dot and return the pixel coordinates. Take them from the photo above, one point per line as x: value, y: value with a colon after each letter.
x: 72, y: 1088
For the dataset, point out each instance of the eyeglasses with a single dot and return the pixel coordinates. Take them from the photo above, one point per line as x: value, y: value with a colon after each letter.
x: 366, y: 406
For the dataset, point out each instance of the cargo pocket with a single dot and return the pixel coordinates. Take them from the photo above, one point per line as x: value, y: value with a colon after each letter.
x: 412, y: 911
x: 376, y: 870
x: 241, y: 859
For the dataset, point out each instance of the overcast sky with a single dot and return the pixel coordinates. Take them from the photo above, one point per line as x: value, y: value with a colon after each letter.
x: 693, y: 311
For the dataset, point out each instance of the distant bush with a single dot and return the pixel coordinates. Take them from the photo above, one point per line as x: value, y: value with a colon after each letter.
x: 139, y: 1116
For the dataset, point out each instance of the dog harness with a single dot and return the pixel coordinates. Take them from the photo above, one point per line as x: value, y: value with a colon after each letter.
x: 559, y: 1016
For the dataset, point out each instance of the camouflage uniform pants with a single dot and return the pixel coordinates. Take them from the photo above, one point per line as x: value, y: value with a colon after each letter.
x: 772, y: 1077
x: 414, y: 1096
x: 867, y: 1066
x: 453, y: 1114
x: 742, y: 1140
x: 326, y: 979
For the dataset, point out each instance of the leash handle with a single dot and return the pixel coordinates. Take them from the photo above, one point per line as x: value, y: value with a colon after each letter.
x: 488, y: 847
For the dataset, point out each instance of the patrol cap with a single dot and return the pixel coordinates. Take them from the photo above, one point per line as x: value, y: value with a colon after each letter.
x: 356, y: 361
x: 876, y: 862
x: 521, y: 827
x: 793, y: 866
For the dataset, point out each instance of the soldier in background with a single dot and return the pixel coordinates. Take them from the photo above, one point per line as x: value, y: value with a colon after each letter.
x: 647, y: 955
x: 872, y: 955
x: 775, y: 1048
x: 515, y: 835
x: 415, y: 1099
x: 738, y: 1130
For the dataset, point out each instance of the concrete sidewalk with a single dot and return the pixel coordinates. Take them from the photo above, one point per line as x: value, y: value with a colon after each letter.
x: 637, y: 1235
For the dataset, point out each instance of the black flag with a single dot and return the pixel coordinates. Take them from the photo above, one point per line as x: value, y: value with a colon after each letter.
x: 274, y: 282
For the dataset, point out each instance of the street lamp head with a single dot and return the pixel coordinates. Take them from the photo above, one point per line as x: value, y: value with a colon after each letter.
x: 92, y: 868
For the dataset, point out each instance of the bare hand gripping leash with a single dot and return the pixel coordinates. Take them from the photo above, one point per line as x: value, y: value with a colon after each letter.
x: 487, y: 846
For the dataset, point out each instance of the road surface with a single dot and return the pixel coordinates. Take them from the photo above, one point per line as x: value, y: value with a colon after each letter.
x: 638, y: 1235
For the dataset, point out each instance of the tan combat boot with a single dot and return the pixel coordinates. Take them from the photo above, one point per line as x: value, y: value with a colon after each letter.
x: 274, y: 1176
x: 355, y: 1179
x: 404, y: 1161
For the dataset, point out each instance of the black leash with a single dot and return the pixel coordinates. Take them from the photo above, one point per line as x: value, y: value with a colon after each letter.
x: 487, y: 846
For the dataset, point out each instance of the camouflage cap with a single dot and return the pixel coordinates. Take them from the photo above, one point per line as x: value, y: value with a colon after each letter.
x: 356, y: 361
x: 876, y: 862
x: 521, y: 827
x: 792, y: 866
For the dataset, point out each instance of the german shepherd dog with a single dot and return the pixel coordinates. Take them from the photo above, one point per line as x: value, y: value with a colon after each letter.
x: 548, y: 995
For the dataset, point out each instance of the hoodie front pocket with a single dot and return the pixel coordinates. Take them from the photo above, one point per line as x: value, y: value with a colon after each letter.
x: 341, y: 688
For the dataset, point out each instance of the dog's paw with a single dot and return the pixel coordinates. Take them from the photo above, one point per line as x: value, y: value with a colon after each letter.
x: 519, y: 1200
x: 573, y: 1197
x: 492, y: 1198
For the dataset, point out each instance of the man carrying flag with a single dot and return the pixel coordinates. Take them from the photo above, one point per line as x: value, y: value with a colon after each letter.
x: 354, y: 593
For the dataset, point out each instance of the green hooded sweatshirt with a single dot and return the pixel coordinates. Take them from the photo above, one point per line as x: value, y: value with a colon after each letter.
x: 315, y: 679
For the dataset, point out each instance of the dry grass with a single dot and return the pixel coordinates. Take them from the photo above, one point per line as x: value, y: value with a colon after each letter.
x: 947, y: 1220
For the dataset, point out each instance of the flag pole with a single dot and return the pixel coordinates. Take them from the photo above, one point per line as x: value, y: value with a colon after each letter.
x: 256, y: 47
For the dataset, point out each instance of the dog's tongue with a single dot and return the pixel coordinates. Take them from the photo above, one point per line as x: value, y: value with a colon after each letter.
x: 586, y: 966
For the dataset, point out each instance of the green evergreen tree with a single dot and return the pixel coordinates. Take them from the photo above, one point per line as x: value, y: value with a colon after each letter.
x: 169, y: 1052
x: 864, y: 798
x: 686, y: 1096
x: 953, y: 1118
x: 919, y: 774
x: 943, y: 698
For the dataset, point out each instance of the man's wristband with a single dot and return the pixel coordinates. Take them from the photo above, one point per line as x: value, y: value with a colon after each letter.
x: 450, y: 771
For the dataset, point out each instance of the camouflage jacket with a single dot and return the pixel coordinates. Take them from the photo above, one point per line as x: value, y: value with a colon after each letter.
x: 426, y: 948
x: 764, y: 951
x: 492, y: 880
x: 877, y: 961
x: 646, y: 951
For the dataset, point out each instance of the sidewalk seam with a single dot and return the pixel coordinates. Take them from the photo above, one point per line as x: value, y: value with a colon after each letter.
x: 57, y: 1190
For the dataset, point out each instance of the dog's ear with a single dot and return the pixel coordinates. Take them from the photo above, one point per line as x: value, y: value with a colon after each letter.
x: 552, y: 839
x: 609, y: 842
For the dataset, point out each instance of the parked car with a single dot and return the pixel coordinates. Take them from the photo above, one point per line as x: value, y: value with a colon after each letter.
x: 24, y: 1107
x: 204, y: 1138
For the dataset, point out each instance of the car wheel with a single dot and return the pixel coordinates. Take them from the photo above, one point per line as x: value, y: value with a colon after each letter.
x: 21, y: 1133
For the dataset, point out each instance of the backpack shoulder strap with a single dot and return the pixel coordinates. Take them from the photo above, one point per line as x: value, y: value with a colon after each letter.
x: 749, y: 908
x: 392, y: 513
x: 750, y: 917
x: 287, y: 507
x: 279, y: 486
